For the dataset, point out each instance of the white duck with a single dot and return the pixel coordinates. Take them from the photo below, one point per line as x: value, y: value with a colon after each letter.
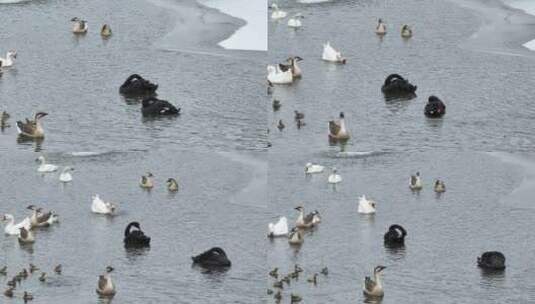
x: 334, y: 178
x: 338, y: 129
x: 9, y: 60
x: 66, y: 175
x: 295, y: 21
x: 278, y: 229
x: 277, y: 76
x: 101, y: 207
x: 14, y: 229
x: 44, y: 167
x: 277, y: 13
x: 381, y: 28
x: 332, y: 55
x: 366, y: 206
x: 415, y: 182
x: 80, y: 26
x: 311, y: 168
x: 105, y: 286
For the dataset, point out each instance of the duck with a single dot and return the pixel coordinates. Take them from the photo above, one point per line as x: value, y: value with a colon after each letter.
x: 135, y: 85
x: 300, y: 123
x: 26, y: 236
x: 276, y: 104
x: 33, y: 268
x: 381, y: 28
x: 406, y: 31
x: 9, y: 292
x: 105, y: 286
x: 135, y: 238
x: 295, y: 298
x: 9, y: 60
x: 80, y: 26
x: 395, y: 236
x: 298, y: 115
x: 440, y: 187
x: 274, y: 273
x: 316, y: 218
x: 146, y: 181
x: 325, y: 271
x: 172, y: 185
x: 40, y: 219
x: 27, y: 297
x: 415, y: 182
x: 311, y: 168
x: 280, y: 228
x: 295, y: 21
x: 313, y: 279
x: 280, y: 125
x: 277, y: 13
x: 491, y: 260
x: 152, y: 106
x: 4, y: 116
x: 277, y: 76
x: 293, y: 66
x: 366, y: 206
x: 14, y: 229
x: 58, y: 269
x: 304, y: 222
x: 332, y: 55
x: 101, y: 207
x: 434, y: 108
x: 296, y: 237
x: 3, y: 270
x: 374, y: 287
x: 214, y: 257
x: 395, y: 84
x: 44, y: 167
x: 32, y: 128
x: 334, y: 178
x: 105, y: 31
x: 66, y: 175
x: 42, y: 277
x: 337, y: 129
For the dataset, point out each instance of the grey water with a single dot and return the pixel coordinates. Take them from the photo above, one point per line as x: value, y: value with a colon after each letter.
x: 487, y: 205
x: 215, y: 149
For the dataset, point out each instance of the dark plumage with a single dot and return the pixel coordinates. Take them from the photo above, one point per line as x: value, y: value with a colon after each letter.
x: 136, y: 85
x: 135, y: 238
x: 215, y: 257
x: 152, y: 106
x: 491, y: 260
x: 395, y: 236
x: 434, y: 108
x: 397, y: 85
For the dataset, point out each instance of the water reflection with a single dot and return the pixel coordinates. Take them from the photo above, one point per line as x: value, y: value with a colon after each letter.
x: 27, y: 141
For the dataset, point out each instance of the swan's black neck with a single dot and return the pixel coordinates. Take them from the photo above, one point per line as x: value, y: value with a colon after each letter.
x: 129, y: 227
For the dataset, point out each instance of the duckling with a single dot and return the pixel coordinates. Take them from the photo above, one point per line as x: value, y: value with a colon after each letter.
x: 280, y: 125
x: 146, y: 181
x: 12, y: 283
x: 3, y: 271
x: 276, y: 104
x: 274, y: 273
x: 9, y: 292
x: 296, y: 237
x: 58, y: 269
x: 105, y: 31
x: 42, y: 277
x: 33, y: 268
x: 3, y: 119
x: 172, y: 185
x: 325, y: 271
x: 278, y: 284
x: 27, y: 297
x: 313, y: 279
x: 297, y: 268
x: 294, y: 275
x: 299, y: 115
x: 270, y: 291
x: 295, y: 298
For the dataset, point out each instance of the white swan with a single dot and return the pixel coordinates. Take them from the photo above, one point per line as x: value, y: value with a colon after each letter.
x: 295, y: 21
x: 9, y: 60
x: 276, y: 76
x: 66, y: 175
x: 101, y: 207
x: 277, y: 13
x: 14, y: 229
x: 44, y: 167
x: 332, y: 55
x: 366, y: 206
x: 415, y: 182
x: 278, y: 229
x: 311, y: 168
x: 334, y: 178
x: 80, y: 26
x: 381, y: 28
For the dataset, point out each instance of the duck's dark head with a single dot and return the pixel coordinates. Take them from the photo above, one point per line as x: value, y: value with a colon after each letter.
x: 299, y: 208
x: 342, y: 115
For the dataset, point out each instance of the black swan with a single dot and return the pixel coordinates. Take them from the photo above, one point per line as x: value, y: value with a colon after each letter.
x: 135, y: 238
x: 215, y: 257
x: 152, y: 106
x: 434, y: 108
x: 137, y: 85
x: 395, y: 236
x: 491, y: 260
x: 397, y: 85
